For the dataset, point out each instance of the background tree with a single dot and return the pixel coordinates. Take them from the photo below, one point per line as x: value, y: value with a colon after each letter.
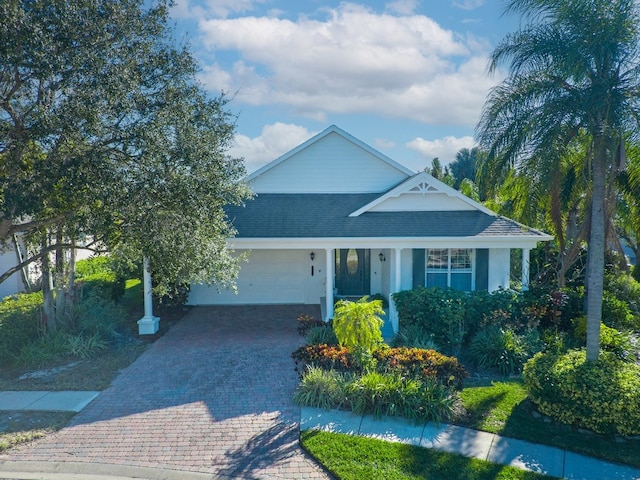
x: 105, y: 135
x: 573, y: 70
x: 465, y: 165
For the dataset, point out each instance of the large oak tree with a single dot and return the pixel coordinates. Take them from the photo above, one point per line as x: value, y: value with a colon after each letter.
x: 105, y: 134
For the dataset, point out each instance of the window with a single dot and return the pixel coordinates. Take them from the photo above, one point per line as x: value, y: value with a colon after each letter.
x: 450, y: 267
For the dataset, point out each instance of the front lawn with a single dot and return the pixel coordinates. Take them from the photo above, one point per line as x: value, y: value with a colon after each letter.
x: 503, y: 408
x: 357, y: 458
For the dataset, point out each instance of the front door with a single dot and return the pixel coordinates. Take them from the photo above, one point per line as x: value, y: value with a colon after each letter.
x: 352, y: 272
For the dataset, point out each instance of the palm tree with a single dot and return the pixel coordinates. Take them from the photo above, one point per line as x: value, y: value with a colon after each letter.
x: 573, y: 71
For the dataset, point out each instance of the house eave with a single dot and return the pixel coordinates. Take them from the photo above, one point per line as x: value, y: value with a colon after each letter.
x: 528, y: 241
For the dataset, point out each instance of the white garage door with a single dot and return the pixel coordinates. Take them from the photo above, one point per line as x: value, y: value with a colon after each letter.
x: 275, y: 276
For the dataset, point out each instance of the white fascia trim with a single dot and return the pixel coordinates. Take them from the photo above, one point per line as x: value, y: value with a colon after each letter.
x: 387, y: 242
x: 415, y: 180
x: 324, y: 133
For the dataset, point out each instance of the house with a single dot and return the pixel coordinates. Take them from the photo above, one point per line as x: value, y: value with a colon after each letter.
x: 336, y: 218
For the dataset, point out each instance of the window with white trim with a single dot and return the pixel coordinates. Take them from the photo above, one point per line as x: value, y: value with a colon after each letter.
x: 450, y: 267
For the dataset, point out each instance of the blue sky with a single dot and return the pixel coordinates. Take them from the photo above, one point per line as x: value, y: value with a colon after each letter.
x: 407, y: 77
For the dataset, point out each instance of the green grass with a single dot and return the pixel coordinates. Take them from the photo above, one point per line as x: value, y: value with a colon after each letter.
x: 358, y: 458
x: 503, y: 408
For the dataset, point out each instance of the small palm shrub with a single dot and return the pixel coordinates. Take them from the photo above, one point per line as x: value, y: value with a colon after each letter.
x: 321, y: 335
x: 502, y: 350
x: 602, y: 396
x: 357, y: 324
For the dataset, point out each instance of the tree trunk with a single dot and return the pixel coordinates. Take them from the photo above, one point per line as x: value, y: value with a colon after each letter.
x: 48, y: 313
x: 60, y: 297
x: 595, y: 255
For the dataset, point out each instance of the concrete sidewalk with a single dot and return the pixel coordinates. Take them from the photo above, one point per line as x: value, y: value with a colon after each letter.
x: 470, y: 443
x: 67, y: 401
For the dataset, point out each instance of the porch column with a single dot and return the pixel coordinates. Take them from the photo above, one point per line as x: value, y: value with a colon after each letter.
x: 329, y: 284
x: 525, y: 268
x: 395, y: 287
x: 147, y: 325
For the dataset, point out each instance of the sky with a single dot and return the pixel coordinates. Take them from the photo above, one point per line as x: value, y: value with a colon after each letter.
x: 407, y: 77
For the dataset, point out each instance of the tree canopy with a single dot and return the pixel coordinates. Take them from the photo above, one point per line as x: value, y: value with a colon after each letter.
x: 573, y: 72
x: 106, y: 135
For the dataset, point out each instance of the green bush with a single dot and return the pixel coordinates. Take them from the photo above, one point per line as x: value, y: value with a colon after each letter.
x: 503, y: 350
x: 357, y: 324
x: 320, y: 388
x: 20, y: 317
x: 611, y: 340
x: 602, y: 396
x: 96, y: 275
x: 97, y: 315
x: 439, y: 312
x: 414, y: 336
x: 321, y: 335
x: 375, y: 393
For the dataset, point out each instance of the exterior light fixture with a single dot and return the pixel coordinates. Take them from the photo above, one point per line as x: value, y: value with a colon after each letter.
x: 382, y: 257
x: 312, y: 256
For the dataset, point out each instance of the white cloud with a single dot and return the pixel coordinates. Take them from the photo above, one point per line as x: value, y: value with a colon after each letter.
x: 352, y: 61
x: 274, y: 140
x: 467, y: 4
x: 212, y: 8
x: 402, y: 7
x: 443, y: 148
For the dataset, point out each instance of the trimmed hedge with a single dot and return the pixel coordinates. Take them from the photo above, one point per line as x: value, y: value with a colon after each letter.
x: 602, y: 396
x: 417, y: 363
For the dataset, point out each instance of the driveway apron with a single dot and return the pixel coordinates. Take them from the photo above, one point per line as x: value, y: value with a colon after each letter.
x: 213, y: 395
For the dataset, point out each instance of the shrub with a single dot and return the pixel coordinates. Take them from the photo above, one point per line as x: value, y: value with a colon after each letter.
x: 19, y: 323
x: 305, y: 322
x: 326, y: 357
x: 603, y: 396
x: 439, y: 312
x: 410, y: 362
x: 611, y: 340
x: 321, y: 335
x: 414, y: 336
x: 95, y: 275
x: 97, y: 315
x: 357, y: 324
x: 375, y: 393
x: 503, y: 350
x: 320, y: 388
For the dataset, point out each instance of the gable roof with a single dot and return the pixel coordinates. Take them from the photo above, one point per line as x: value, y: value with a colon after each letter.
x: 331, y: 129
x: 328, y: 216
x: 425, y: 184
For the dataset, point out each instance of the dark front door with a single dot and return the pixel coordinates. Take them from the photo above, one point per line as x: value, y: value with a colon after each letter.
x: 352, y: 272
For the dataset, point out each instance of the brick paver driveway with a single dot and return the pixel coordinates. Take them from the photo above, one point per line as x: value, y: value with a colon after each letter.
x: 212, y: 396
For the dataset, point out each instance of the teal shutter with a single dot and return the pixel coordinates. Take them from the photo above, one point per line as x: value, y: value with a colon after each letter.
x: 482, y: 269
x: 418, y: 267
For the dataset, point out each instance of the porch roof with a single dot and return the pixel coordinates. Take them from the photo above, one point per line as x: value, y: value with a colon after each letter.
x: 327, y: 216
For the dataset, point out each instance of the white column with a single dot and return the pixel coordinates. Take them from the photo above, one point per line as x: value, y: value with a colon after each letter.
x: 395, y: 287
x: 147, y: 325
x: 329, y: 265
x: 525, y: 268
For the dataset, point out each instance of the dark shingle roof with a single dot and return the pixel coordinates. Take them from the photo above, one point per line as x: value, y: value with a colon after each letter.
x: 327, y: 215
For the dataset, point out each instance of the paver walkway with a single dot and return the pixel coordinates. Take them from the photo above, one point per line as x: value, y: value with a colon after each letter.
x: 211, y: 396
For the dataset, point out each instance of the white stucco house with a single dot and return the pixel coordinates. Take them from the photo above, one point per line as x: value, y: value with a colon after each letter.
x: 336, y: 218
